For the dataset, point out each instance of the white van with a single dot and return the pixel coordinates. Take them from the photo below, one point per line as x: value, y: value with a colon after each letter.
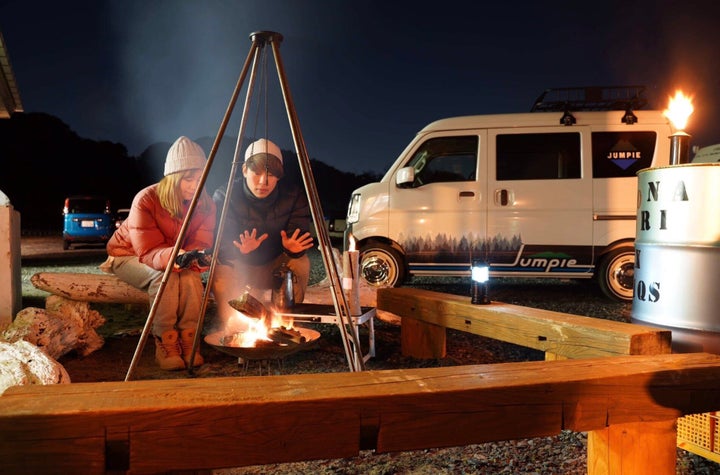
x: 539, y: 194
x: 709, y: 154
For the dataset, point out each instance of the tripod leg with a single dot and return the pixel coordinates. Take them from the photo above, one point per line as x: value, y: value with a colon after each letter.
x: 251, y: 59
x: 350, y: 341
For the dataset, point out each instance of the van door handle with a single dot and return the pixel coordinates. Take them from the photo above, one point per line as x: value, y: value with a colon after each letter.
x: 466, y: 194
x: 502, y: 197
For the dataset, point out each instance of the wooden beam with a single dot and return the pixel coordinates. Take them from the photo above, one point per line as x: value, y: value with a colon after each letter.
x: 567, y: 335
x: 194, y: 424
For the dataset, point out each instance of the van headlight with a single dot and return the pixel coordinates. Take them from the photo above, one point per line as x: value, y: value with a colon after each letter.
x: 353, y: 209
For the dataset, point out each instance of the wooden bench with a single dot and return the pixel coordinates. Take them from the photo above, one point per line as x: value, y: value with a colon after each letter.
x: 426, y: 315
x: 628, y: 404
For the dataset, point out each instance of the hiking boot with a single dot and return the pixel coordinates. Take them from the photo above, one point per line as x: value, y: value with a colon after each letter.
x: 167, y: 351
x: 186, y: 343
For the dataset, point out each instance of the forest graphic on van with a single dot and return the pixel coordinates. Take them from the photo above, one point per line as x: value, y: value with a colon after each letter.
x: 503, y: 254
x: 444, y: 248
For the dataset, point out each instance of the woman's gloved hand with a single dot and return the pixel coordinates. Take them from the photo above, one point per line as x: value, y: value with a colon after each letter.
x: 199, y: 257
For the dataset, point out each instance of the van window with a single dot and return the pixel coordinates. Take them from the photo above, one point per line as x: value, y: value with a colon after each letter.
x: 445, y: 159
x: 548, y: 156
x: 622, y: 154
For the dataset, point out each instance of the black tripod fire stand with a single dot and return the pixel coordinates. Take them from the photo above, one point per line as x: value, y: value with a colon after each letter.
x: 351, y: 344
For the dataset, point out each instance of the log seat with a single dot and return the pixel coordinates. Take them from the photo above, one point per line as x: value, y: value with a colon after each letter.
x: 86, y: 287
x: 108, y: 288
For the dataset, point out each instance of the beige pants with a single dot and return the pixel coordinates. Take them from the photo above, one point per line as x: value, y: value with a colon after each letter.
x: 178, y: 307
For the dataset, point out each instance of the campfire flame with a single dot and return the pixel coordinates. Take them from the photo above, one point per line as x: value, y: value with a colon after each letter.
x: 254, y: 330
x: 679, y: 110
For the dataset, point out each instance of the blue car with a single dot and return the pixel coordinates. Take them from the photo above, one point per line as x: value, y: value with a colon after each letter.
x: 87, y: 220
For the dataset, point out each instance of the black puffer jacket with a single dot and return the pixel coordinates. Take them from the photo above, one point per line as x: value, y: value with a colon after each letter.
x: 285, y: 208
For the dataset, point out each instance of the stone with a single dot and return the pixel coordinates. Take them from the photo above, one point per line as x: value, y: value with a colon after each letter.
x: 63, y: 326
x: 23, y: 363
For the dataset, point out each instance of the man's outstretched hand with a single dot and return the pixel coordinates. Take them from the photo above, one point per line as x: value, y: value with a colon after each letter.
x: 296, y: 243
x: 248, y: 241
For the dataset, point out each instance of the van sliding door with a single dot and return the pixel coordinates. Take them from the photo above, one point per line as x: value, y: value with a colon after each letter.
x: 540, y: 218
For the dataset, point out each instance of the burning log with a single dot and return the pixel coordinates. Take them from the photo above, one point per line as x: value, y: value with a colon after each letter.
x: 267, y: 344
x: 252, y: 307
x: 284, y: 335
x: 234, y: 345
x: 278, y: 336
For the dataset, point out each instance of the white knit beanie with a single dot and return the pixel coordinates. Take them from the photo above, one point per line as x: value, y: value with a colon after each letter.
x: 184, y: 155
x: 263, y: 146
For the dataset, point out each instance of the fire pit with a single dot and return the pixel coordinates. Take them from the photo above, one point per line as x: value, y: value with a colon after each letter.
x: 222, y: 341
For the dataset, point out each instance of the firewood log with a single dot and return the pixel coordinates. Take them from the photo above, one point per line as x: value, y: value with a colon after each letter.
x: 281, y: 334
x: 250, y: 306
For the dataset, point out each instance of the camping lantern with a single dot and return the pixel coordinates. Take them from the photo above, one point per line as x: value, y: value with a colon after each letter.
x: 480, y: 274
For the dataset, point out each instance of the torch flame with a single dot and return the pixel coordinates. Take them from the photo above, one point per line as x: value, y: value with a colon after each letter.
x: 679, y: 110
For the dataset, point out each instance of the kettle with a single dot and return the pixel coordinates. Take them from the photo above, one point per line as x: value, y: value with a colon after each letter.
x: 283, y: 296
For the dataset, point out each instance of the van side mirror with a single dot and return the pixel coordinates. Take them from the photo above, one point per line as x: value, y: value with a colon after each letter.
x: 405, y: 177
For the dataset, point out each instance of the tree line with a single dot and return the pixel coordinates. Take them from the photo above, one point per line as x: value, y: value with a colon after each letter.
x: 45, y: 161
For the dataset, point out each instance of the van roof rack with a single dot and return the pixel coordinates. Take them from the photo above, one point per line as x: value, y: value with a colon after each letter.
x: 590, y: 98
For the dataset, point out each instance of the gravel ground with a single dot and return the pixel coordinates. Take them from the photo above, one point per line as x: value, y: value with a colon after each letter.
x: 564, y: 453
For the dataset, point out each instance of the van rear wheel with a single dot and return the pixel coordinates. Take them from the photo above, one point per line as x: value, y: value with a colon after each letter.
x: 617, y: 272
x: 381, y: 265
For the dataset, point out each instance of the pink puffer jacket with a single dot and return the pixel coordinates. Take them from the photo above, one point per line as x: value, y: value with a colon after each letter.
x: 150, y: 232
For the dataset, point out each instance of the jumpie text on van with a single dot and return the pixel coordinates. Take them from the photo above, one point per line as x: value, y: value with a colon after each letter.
x: 635, y: 154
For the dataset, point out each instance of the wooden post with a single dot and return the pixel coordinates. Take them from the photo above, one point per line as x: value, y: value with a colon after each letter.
x: 10, y: 282
x: 351, y: 282
x: 422, y: 340
x: 629, y: 449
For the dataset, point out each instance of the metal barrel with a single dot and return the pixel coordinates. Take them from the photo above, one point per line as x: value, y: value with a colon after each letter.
x: 677, y: 254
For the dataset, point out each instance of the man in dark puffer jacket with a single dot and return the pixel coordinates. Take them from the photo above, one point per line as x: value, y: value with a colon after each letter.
x: 266, y: 224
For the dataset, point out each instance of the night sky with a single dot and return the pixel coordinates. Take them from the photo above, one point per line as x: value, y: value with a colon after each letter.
x: 365, y: 76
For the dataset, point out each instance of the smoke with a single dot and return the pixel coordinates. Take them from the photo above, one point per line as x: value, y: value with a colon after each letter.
x: 179, y: 63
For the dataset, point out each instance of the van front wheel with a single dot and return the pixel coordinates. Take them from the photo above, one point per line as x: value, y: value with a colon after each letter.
x: 617, y: 272
x: 381, y: 265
